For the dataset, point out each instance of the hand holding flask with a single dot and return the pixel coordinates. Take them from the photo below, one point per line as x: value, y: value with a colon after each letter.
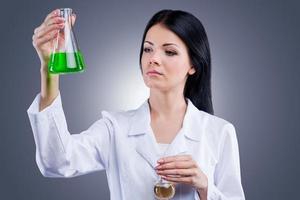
x: 66, y: 56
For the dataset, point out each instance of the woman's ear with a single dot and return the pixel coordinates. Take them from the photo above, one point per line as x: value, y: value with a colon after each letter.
x: 191, y: 70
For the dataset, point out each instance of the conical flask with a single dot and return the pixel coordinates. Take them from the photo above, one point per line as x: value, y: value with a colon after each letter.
x: 66, y: 56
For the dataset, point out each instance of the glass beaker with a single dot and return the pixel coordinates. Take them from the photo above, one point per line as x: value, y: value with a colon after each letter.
x: 66, y: 56
x: 164, y: 190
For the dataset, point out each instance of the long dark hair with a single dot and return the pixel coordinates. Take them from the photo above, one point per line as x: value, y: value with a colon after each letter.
x: 191, y: 31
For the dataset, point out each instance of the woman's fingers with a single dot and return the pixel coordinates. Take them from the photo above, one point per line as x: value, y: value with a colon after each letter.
x: 38, y: 38
x: 179, y: 164
x: 54, y: 13
x: 175, y: 158
x: 48, y: 29
x: 186, y: 180
x: 178, y: 172
x: 54, y: 20
x: 55, y: 23
x: 181, y: 169
x: 176, y: 162
x: 176, y: 165
x: 48, y: 37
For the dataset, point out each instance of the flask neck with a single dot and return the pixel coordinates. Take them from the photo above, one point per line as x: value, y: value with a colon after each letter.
x: 65, y: 12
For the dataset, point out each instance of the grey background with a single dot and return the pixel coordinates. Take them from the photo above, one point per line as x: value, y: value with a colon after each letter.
x: 255, y: 60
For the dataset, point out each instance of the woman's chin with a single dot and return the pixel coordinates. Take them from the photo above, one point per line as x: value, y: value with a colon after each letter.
x: 154, y: 87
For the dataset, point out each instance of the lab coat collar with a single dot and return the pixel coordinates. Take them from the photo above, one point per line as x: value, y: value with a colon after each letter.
x: 140, y: 122
x: 146, y: 144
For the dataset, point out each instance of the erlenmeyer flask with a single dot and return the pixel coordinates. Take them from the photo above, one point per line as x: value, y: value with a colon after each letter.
x: 66, y: 57
x: 164, y: 190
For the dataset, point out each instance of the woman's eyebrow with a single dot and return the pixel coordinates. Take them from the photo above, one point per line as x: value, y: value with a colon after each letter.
x: 166, y: 44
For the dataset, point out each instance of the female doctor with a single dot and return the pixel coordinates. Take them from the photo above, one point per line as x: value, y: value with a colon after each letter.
x: 173, y: 134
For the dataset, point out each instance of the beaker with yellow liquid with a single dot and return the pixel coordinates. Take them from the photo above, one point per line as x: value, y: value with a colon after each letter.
x: 164, y: 190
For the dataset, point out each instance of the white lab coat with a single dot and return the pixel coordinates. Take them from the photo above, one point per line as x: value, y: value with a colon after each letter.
x: 124, y: 145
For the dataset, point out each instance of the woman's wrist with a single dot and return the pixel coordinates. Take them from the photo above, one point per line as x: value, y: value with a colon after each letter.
x: 44, y: 67
x: 202, y: 193
x: 202, y: 189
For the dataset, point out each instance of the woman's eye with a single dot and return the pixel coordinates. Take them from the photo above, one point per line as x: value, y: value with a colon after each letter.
x: 147, y: 49
x: 171, y: 53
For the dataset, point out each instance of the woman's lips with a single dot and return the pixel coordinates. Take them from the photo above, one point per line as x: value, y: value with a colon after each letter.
x: 153, y: 72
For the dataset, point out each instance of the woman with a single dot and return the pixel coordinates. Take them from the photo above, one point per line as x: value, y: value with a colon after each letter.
x: 173, y: 134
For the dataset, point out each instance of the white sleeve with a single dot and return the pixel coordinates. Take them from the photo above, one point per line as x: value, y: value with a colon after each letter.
x: 227, y: 178
x: 61, y: 154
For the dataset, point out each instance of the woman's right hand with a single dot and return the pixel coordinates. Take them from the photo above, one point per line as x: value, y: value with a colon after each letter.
x: 44, y: 35
x: 43, y: 42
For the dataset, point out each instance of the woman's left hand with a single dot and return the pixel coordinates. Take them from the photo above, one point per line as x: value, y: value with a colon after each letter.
x: 182, y: 169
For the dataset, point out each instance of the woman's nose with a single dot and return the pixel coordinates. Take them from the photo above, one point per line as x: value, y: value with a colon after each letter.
x: 154, y: 59
x: 153, y: 62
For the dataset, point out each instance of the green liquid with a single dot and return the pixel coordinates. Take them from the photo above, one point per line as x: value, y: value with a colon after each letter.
x: 63, y: 63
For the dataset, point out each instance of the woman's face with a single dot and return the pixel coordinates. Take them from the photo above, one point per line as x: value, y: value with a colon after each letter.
x: 165, y: 60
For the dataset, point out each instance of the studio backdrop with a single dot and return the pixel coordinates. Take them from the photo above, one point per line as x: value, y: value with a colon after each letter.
x: 255, y: 85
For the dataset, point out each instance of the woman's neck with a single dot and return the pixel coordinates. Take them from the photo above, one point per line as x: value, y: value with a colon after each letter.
x: 166, y: 105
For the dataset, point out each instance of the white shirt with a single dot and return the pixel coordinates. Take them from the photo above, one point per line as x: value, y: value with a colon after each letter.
x: 123, y: 144
x: 162, y: 147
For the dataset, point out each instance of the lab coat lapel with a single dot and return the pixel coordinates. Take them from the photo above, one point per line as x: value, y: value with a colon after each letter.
x: 147, y: 148
x: 142, y: 133
x: 178, y: 145
x: 190, y: 131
